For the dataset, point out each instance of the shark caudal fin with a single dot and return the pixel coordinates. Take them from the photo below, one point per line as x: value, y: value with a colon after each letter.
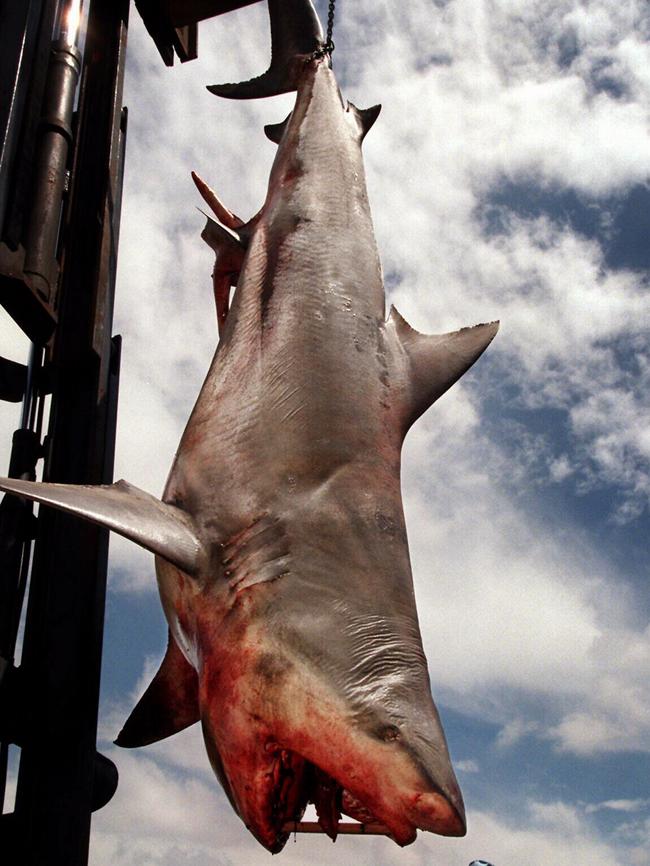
x: 436, y: 361
x: 295, y: 34
x: 163, y: 529
x: 169, y: 705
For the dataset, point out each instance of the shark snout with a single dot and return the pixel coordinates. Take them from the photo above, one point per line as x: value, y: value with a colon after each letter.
x: 437, y: 813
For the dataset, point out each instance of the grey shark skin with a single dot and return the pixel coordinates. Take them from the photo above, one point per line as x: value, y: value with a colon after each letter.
x: 281, y: 549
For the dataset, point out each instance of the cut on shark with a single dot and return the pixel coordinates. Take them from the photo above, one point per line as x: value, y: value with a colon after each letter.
x: 280, y: 542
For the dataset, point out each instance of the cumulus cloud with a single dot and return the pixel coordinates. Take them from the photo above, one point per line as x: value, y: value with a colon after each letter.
x: 505, y: 105
x: 618, y: 806
x: 513, y: 606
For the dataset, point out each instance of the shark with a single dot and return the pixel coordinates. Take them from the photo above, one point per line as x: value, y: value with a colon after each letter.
x: 280, y: 541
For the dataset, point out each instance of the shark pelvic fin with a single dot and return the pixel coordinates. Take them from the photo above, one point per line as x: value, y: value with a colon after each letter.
x: 365, y: 117
x: 295, y: 34
x: 275, y: 131
x: 163, y: 529
x: 437, y: 361
x: 170, y: 703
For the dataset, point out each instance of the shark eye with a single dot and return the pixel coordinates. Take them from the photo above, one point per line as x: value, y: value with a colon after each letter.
x: 389, y: 732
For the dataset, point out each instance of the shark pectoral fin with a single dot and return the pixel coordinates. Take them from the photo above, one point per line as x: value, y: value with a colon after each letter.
x: 295, y: 34
x: 364, y: 118
x: 170, y: 703
x: 275, y: 131
x: 437, y: 361
x: 163, y: 529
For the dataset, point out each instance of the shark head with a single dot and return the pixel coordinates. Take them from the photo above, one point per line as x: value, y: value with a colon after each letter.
x: 308, y: 696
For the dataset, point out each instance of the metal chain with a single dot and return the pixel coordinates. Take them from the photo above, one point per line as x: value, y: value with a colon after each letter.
x: 328, y: 46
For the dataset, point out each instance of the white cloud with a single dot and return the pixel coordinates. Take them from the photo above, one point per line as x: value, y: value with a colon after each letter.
x: 467, y: 766
x: 514, y: 607
x: 618, y: 806
x: 513, y: 731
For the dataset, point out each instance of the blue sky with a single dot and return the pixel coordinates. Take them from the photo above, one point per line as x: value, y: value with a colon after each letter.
x: 508, y: 177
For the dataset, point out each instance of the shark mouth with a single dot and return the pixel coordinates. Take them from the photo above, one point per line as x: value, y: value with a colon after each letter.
x: 296, y: 783
x: 291, y: 782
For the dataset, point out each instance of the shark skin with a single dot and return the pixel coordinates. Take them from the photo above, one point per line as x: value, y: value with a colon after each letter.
x: 280, y: 542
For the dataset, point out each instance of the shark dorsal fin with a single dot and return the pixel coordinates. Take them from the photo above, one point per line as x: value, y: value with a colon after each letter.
x: 364, y: 117
x: 170, y: 703
x: 275, y: 131
x: 163, y: 529
x: 436, y: 361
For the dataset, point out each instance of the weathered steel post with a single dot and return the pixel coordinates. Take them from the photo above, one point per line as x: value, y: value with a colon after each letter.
x: 61, y: 780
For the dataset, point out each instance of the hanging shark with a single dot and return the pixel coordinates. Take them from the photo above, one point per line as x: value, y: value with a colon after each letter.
x: 280, y: 542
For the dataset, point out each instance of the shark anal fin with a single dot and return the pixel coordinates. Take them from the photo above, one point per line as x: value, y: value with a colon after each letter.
x: 295, y: 34
x: 436, y: 361
x: 169, y: 705
x: 163, y: 529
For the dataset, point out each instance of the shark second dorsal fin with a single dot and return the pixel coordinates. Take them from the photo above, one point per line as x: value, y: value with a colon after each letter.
x: 364, y: 117
x: 436, y: 361
x: 163, y: 529
x: 170, y: 703
x: 295, y: 34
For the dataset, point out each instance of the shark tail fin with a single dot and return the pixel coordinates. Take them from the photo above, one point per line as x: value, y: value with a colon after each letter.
x: 170, y: 703
x: 163, y: 529
x: 295, y: 34
x: 436, y: 361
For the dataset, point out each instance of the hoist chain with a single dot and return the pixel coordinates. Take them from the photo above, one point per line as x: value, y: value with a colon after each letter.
x: 328, y: 46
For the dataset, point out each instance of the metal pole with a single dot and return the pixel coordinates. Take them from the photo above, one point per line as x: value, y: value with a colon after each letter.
x: 50, y: 167
x: 61, y: 779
